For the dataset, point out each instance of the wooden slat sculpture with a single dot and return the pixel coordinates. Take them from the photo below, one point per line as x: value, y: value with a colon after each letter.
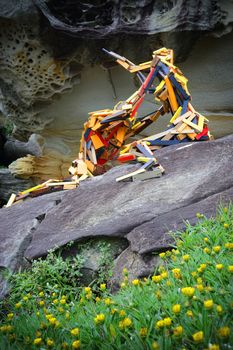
x: 106, y: 131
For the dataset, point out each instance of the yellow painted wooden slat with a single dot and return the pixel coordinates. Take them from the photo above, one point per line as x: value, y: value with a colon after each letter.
x: 171, y: 95
x: 176, y: 115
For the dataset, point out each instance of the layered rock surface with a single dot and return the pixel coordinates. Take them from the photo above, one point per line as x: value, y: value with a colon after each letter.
x: 50, y: 79
x: 198, y: 177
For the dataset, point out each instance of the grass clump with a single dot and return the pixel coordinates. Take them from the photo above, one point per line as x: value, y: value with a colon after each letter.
x: 186, y: 304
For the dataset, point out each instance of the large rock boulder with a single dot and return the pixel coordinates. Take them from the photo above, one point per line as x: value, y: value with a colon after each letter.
x: 198, y: 176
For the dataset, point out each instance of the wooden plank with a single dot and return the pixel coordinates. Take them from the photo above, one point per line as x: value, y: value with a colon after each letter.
x: 158, y: 136
x: 176, y: 115
x: 97, y: 143
x: 147, y: 148
x: 93, y: 155
x: 11, y: 200
x: 182, y: 117
x: 150, y: 174
x: 61, y: 183
x: 171, y: 95
x: 193, y: 126
x: 121, y: 134
x: 82, y: 168
x: 128, y: 176
x: 200, y: 123
x: 69, y: 186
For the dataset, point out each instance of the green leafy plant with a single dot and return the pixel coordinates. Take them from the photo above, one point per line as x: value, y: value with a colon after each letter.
x: 186, y: 304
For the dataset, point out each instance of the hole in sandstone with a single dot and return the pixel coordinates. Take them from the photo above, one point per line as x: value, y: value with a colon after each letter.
x: 40, y: 218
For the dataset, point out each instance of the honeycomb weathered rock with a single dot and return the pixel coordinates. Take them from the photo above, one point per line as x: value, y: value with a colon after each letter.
x: 30, y: 76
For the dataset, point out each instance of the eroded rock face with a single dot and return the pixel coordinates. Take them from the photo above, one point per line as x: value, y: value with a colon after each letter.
x: 101, y: 18
x: 139, y: 214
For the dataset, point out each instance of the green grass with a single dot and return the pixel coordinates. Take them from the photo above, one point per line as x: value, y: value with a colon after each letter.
x: 186, y: 304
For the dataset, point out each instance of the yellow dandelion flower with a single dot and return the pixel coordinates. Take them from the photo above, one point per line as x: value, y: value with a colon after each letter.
x: 97, y: 299
x: 167, y: 321
x: 203, y: 266
x: 41, y: 303
x: 123, y: 285
x: 206, y: 239
x: 55, y: 301
x: 194, y: 274
x: 41, y: 294
x: 67, y: 315
x: 99, y: 318
x: 230, y: 268
x: 10, y: 316
x: 159, y: 324
x: 25, y: 298
x: 228, y: 245
x: 176, y: 308
x: 177, y: 331
x: 186, y: 257
x: 50, y: 343
x: 156, y: 278
x: 219, y: 309
x: 143, y: 332
x: 213, y: 347
x: 37, y: 341
x: 103, y: 286
x: 199, y: 215
x: 52, y: 321
x: 63, y: 301
x: 219, y: 267
x: 206, y: 250
x: 113, y: 311
x: 122, y: 313
x: 127, y: 322
x: 107, y: 301
x: 200, y: 287
x: 188, y: 291
x: 169, y: 283
x: 199, y: 280
x: 18, y: 305
x: 162, y: 255
x: 198, y: 337
x: 54, y: 294
x: 48, y: 316
x: 208, y: 304
x: 209, y: 289
x: 136, y: 282
x: 224, y: 332
x: 155, y: 345
x: 189, y: 313
x: 88, y: 296
x: 225, y: 225
x: 217, y: 248
x: 75, y: 332
x: 76, y: 344
x: 176, y: 273
x: 125, y: 271
x: 87, y: 289
x: 164, y: 274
